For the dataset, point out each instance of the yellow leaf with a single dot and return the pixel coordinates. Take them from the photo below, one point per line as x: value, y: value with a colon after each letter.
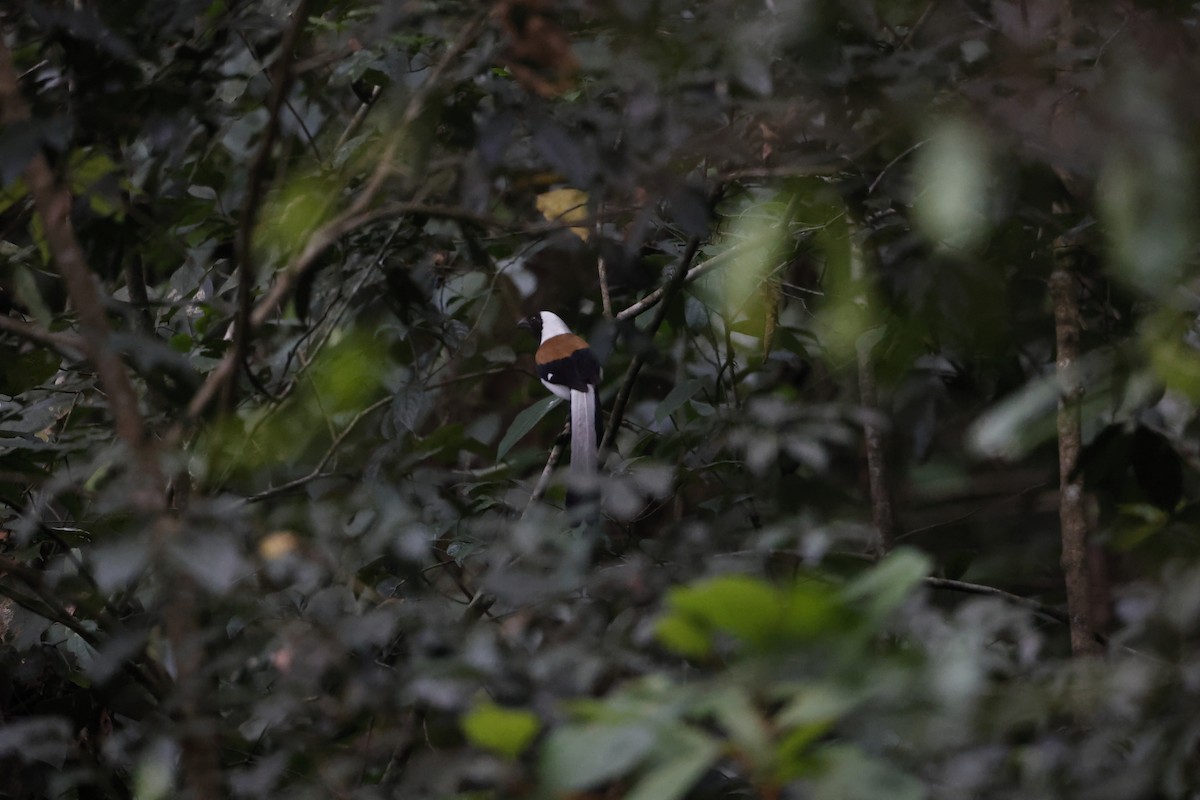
x: 507, y: 731
x: 278, y: 545
x: 565, y: 205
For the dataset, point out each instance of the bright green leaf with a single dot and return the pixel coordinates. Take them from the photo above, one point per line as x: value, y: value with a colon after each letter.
x: 346, y: 374
x: 683, y: 636
x: 812, y: 608
x: 747, y: 608
x: 502, y: 730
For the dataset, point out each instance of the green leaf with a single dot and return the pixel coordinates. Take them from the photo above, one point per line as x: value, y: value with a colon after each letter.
x: 676, y: 398
x: 792, y: 755
x: 735, y: 712
x: 584, y: 756
x: 847, y: 773
x: 744, y: 607
x: 887, y: 584
x: 346, y: 376
x: 812, y: 609
x: 504, y: 731
x: 816, y: 703
x: 683, y: 636
x: 12, y: 194
x: 524, y: 423
x: 88, y: 169
x: 21, y: 371
x: 409, y: 407
x: 28, y: 292
x: 673, y: 778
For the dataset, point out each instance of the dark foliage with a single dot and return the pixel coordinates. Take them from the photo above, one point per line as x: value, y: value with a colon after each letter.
x: 316, y: 552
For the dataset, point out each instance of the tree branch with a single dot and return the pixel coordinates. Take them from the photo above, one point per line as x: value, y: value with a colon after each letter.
x: 52, y: 200
x: 67, y: 344
x: 255, y: 187
x: 651, y: 300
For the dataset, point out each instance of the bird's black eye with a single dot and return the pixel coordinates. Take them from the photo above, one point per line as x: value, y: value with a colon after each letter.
x: 533, y: 323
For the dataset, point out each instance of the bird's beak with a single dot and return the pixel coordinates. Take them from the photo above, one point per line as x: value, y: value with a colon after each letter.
x: 526, y: 324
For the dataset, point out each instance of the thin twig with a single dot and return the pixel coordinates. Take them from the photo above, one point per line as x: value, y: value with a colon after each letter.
x: 357, y: 120
x: 1008, y: 498
x: 908, y: 37
x: 893, y: 163
x: 791, y: 171
x: 539, y: 489
x: 315, y: 473
x: 602, y: 270
x: 1045, y: 610
x: 468, y: 376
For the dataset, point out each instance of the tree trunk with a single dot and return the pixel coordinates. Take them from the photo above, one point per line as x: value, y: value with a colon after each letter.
x: 1072, y: 514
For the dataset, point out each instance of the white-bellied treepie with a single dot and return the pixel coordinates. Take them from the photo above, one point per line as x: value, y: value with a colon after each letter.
x: 569, y: 369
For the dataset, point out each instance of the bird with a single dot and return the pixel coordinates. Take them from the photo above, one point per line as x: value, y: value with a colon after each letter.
x: 569, y: 369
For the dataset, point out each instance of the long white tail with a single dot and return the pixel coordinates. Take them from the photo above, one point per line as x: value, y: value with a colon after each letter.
x: 584, y: 444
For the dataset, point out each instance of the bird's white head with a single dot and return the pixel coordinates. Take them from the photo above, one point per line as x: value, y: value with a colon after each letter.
x: 552, y: 325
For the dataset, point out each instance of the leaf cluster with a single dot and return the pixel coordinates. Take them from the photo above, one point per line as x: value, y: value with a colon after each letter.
x: 785, y: 228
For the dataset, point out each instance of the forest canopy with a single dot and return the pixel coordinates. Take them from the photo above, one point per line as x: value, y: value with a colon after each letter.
x: 897, y: 309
